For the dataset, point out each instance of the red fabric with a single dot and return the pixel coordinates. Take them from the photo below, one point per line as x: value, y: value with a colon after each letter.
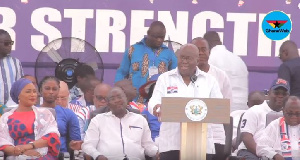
x: 21, y: 129
x: 53, y: 143
x: 3, y: 147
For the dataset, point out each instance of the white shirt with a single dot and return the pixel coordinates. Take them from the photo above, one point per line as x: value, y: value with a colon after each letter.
x: 254, y: 121
x: 223, y: 81
x: 269, y: 143
x: 205, y: 86
x: 225, y: 87
x: 237, y: 72
x: 236, y: 115
x: 103, y: 137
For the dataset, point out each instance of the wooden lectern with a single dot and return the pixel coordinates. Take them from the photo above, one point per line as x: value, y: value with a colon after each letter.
x: 193, y: 133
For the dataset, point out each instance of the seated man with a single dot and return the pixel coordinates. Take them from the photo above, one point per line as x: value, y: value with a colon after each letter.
x: 118, y: 134
x: 100, y: 95
x: 84, y: 105
x: 63, y: 95
x: 81, y: 74
x: 254, y: 119
x: 254, y: 98
x: 130, y: 92
x: 281, y: 136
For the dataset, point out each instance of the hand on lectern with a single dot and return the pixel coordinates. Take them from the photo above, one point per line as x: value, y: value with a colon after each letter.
x: 156, y: 110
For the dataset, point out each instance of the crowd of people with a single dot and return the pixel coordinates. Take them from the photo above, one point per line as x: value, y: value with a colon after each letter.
x: 41, y: 120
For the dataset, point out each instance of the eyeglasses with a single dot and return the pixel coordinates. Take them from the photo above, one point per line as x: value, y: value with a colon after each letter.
x: 293, y: 114
x: 8, y: 43
x: 100, y: 98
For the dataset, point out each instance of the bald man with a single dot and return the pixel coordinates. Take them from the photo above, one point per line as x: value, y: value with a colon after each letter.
x: 182, y: 82
x: 256, y: 98
x: 290, y: 68
x: 100, y: 97
x: 281, y: 137
x: 146, y: 58
x: 63, y: 95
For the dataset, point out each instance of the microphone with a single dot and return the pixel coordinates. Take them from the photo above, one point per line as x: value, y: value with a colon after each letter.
x: 194, y: 78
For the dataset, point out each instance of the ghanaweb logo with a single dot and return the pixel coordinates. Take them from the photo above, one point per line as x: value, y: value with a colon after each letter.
x: 277, y: 25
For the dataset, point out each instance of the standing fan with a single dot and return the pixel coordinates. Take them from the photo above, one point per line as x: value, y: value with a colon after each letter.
x: 172, y: 45
x: 60, y: 57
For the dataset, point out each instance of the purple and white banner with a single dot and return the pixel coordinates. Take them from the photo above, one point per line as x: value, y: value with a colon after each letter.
x: 112, y: 25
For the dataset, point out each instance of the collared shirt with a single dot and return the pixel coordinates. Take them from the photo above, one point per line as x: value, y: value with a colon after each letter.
x: 68, y: 126
x: 205, y: 86
x: 83, y: 111
x: 75, y: 93
x: 106, y: 132
x: 11, y: 70
x: 225, y: 87
x: 269, y: 144
x: 237, y: 72
x: 137, y: 60
x: 254, y: 121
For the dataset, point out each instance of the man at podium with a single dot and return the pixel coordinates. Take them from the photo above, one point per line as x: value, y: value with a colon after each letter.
x: 187, y: 80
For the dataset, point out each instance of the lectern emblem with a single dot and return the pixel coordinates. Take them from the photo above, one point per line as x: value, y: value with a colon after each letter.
x: 196, y: 110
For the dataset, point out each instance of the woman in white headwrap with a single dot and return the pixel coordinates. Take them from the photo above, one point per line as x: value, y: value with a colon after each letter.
x: 28, y: 132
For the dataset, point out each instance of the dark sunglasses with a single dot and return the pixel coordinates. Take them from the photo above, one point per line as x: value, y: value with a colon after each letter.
x: 293, y: 114
x: 100, y: 98
x: 10, y: 43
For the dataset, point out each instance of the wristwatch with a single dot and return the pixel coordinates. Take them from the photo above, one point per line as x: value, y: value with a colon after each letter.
x: 33, y: 146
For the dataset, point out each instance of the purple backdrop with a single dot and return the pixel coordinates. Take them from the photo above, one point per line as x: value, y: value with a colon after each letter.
x: 112, y: 25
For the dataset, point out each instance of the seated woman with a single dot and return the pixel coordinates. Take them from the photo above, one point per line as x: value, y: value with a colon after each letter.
x: 28, y: 132
x: 67, y: 121
x: 282, y: 136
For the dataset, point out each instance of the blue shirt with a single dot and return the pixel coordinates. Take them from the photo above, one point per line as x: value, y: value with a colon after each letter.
x: 68, y: 126
x: 153, y: 122
x: 137, y: 60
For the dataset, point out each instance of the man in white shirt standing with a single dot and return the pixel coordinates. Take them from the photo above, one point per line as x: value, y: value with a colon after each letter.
x: 281, y: 137
x: 234, y: 67
x: 185, y: 81
x: 254, y: 119
x: 118, y: 134
x: 222, y: 79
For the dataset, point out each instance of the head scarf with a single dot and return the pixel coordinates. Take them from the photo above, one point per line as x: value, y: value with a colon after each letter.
x: 17, y: 88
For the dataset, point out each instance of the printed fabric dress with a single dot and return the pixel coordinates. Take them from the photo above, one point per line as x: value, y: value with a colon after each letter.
x: 21, y: 126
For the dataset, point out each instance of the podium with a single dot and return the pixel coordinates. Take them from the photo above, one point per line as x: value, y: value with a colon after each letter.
x: 193, y: 114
